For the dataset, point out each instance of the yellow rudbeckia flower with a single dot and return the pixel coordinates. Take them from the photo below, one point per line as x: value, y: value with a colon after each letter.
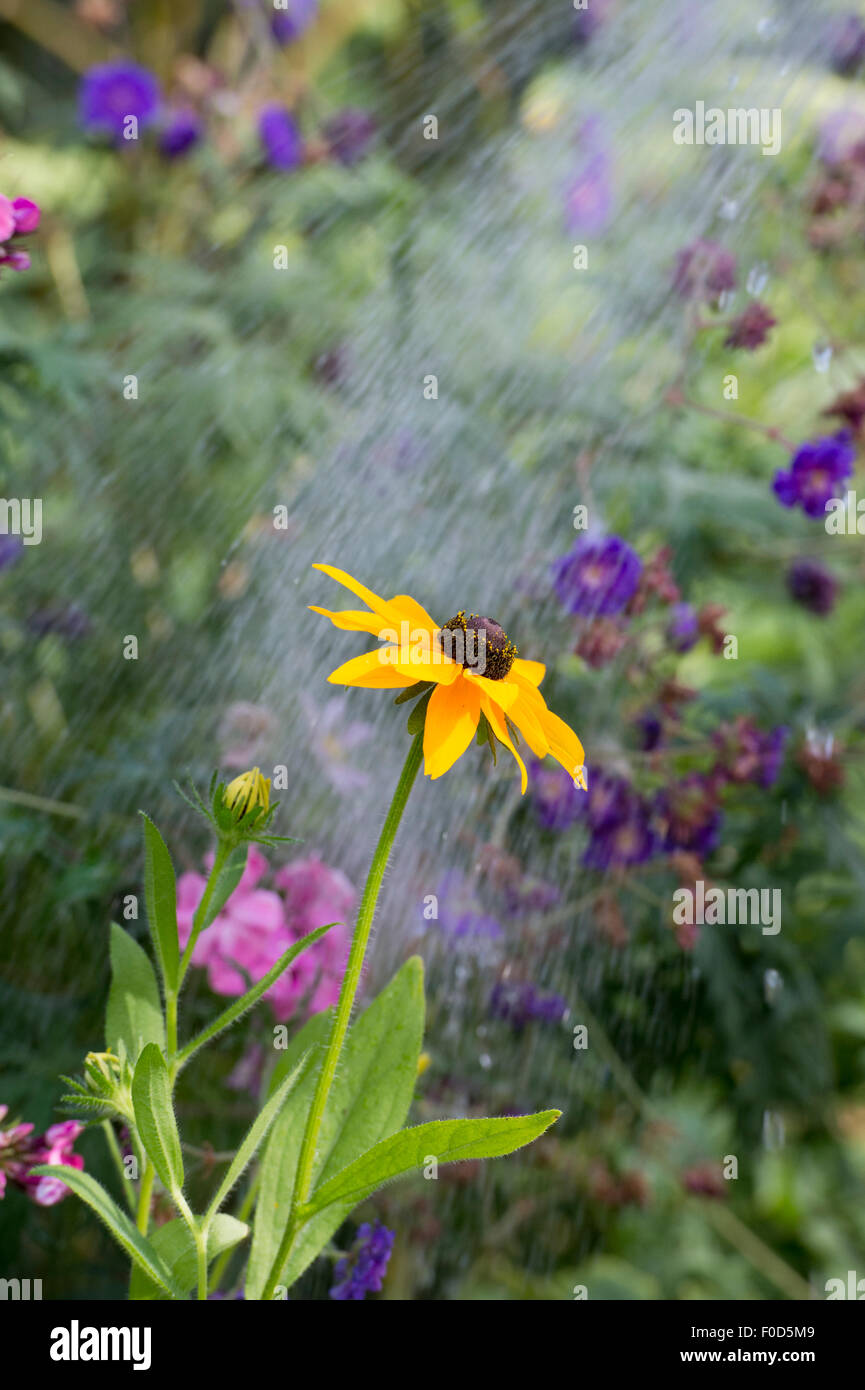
x: 473, y: 670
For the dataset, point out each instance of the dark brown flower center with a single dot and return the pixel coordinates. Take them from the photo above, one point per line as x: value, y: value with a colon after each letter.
x: 479, y: 644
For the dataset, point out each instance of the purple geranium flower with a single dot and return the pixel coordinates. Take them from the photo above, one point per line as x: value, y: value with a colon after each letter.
x: 349, y: 134
x: 624, y: 842
x: 688, y: 815
x: 812, y: 586
x: 280, y: 136
x: 362, y: 1270
x: 111, y: 92
x: 816, y: 473
x: 555, y: 797
x: 519, y: 1002
x: 181, y: 131
x: 683, y: 628
x: 747, y: 754
x: 291, y: 18
x: 597, y: 577
x: 704, y: 270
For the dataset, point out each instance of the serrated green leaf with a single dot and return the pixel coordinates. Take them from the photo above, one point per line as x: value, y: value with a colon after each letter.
x: 446, y: 1141
x: 370, y: 1099
x: 255, y: 1135
x: 240, y: 1006
x: 160, y: 896
x: 174, y: 1243
x: 145, y: 1256
x: 154, y: 1117
x: 134, y: 1014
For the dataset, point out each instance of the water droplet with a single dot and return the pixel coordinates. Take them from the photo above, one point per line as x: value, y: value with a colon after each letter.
x: 822, y: 355
x: 766, y: 27
x: 485, y: 1060
x: 729, y: 209
x: 773, y: 1130
x: 772, y: 985
x: 758, y: 279
x: 725, y: 299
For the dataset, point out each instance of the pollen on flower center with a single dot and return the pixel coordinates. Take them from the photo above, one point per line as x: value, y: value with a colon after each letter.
x: 480, y: 645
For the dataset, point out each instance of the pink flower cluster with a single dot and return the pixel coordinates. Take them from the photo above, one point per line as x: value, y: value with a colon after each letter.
x: 257, y: 925
x: 18, y: 217
x: 21, y: 1151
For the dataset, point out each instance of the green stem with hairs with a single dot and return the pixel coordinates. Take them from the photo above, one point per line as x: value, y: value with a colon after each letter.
x: 348, y: 991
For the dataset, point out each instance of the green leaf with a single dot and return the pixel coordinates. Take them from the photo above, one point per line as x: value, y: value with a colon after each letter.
x: 419, y: 688
x: 448, y: 1141
x: 226, y: 883
x: 174, y: 1243
x: 254, y: 1137
x: 240, y: 1006
x: 417, y: 718
x: 145, y: 1256
x: 134, y: 1014
x: 369, y: 1099
x: 160, y: 895
x: 154, y: 1117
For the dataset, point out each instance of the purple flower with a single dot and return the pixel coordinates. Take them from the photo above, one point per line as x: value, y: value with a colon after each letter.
x: 68, y: 621
x: 111, y: 92
x: 362, y: 1270
x: 608, y: 801
x: 624, y: 842
x: 291, y: 18
x: 280, y: 137
x: 747, y: 754
x: 704, y: 270
x: 597, y: 577
x: 349, y: 134
x: 461, y: 915
x: 11, y: 548
x: 848, y: 44
x: 589, y: 197
x: 181, y: 131
x: 519, y: 1002
x: 557, y: 801
x: 812, y: 586
x: 751, y: 329
x: 817, y: 470
x: 683, y: 628
x: 650, y: 730
x: 688, y: 815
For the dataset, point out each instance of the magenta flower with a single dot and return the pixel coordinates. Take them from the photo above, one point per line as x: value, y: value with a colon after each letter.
x: 704, y: 270
x: 21, y: 1151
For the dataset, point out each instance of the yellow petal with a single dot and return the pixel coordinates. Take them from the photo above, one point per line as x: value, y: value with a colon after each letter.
x: 499, y: 728
x: 451, y: 723
x: 412, y: 611
x: 370, y: 672
x: 442, y: 671
x: 564, y: 744
x: 525, y: 717
x: 353, y: 620
x: 502, y: 692
x: 533, y: 671
x: 378, y: 605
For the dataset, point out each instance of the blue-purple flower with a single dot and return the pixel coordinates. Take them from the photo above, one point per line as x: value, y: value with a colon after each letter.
x: 688, y: 815
x: 557, y: 801
x: 112, y: 92
x: 811, y: 584
x: 349, y: 134
x: 589, y: 196
x: 597, y: 577
x: 461, y: 916
x: 281, y: 137
x: 362, y: 1270
x: 817, y: 471
x: 683, y: 627
x: 181, y: 131
x: 519, y: 1002
x: 623, y: 842
x: 290, y: 18
x: 747, y: 754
